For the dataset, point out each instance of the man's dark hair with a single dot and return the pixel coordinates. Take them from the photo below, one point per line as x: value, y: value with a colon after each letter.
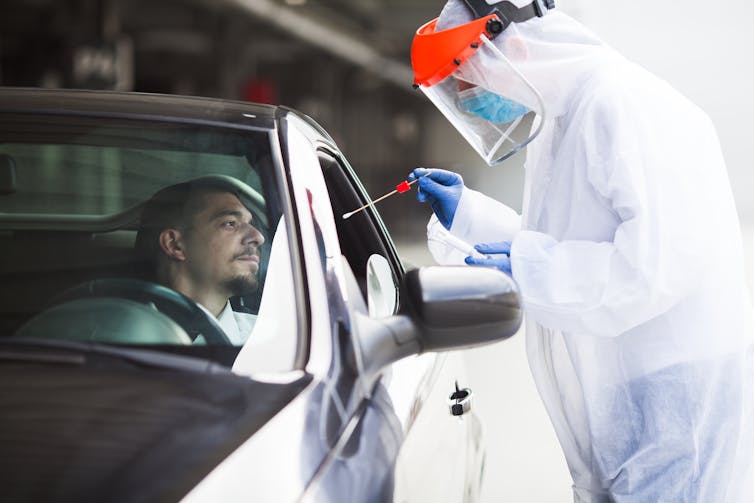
x: 165, y: 209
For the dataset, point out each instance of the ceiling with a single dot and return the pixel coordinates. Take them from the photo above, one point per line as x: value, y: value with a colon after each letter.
x: 339, y: 61
x: 190, y: 42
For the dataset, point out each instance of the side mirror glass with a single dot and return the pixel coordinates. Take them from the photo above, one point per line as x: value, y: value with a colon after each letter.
x: 382, y: 291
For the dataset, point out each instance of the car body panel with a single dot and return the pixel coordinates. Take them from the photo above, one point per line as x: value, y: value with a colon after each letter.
x: 349, y: 430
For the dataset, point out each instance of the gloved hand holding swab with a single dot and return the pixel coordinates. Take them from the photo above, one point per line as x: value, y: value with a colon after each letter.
x: 439, y: 234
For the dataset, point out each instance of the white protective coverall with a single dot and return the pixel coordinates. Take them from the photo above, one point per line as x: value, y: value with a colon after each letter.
x: 629, y: 260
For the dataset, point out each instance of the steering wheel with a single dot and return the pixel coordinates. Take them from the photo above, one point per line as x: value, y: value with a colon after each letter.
x: 181, y: 309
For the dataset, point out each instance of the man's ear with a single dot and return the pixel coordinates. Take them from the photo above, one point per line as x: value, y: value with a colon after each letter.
x: 171, y: 242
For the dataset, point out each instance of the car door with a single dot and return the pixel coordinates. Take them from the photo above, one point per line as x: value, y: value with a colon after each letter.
x: 355, y: 429
x: 347, y: 438
x: 320, y: 447
x: 440, y: 455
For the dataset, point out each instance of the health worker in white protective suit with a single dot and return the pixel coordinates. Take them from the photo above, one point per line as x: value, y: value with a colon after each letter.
x: 628, y: 252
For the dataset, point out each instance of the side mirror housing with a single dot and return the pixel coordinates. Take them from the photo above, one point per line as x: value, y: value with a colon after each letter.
x: 457, y: 307
x: 443, y: 308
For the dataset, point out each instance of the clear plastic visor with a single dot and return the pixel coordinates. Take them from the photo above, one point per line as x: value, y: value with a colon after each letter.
x: 490, y: 103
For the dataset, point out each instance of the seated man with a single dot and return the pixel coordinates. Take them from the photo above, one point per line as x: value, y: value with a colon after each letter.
x: 199, y: 239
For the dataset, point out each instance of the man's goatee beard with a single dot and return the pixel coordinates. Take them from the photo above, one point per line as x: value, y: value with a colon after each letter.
x: 243, y: 285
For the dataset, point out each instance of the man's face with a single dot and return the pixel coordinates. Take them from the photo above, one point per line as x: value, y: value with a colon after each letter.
x: 222, y: 245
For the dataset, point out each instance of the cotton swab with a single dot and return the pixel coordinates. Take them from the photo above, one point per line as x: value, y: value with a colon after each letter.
x: 404, y: 186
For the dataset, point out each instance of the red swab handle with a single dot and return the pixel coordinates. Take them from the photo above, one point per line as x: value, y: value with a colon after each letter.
x: 403, y: 187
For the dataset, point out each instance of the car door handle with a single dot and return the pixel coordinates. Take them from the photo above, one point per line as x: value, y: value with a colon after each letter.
x: 459, y: 401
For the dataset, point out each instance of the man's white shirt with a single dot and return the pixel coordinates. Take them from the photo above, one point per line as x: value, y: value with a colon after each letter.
x: 237, y: 326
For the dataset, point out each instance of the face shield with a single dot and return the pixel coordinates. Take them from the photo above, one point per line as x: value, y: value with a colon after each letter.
x: 477, y: 88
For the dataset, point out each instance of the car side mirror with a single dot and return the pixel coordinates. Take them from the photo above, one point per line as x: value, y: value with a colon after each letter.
x: 457, y: 306
x: 444, y: 308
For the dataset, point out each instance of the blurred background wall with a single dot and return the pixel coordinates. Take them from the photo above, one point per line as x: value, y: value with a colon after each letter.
x: 346, y: 63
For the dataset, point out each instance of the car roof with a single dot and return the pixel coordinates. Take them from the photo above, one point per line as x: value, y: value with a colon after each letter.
x: 137, y: 105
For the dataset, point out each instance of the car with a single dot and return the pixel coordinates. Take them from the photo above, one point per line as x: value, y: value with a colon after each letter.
x: 351, y: 385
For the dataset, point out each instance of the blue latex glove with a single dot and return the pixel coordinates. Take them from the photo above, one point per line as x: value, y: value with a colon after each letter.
x: 498, y: 256
x: 442, y: 189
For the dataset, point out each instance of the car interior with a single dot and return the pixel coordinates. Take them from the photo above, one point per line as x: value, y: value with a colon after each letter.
x: 71, y: 194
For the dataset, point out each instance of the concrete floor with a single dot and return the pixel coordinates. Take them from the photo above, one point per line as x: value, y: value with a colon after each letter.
x: 524, y: 460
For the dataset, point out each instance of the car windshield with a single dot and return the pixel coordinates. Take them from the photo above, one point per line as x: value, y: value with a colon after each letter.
x: 73, y: 192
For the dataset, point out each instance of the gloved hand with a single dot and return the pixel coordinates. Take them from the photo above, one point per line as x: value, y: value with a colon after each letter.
x: 442, y: 189
x: 498, y: 256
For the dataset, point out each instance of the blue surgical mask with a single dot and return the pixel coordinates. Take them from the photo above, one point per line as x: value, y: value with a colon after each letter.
x: 490, y: 106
